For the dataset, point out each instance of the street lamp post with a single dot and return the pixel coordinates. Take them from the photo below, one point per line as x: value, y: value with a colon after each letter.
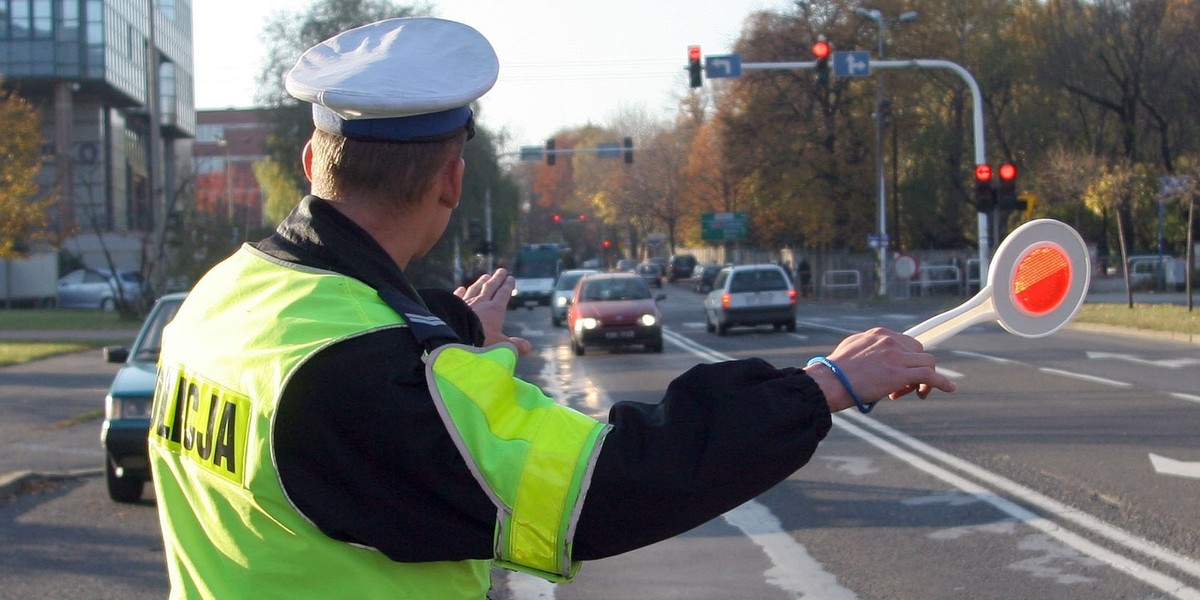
x: 882, y: 23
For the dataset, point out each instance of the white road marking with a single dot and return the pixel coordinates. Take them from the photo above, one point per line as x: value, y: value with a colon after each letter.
x: 987, y: 357
x: 1178, y: 468
x: 1085, y: 377
x: 1187, y: 397
x: 1167, y: 584
x: 1171, y: 363
x: 793, y: 569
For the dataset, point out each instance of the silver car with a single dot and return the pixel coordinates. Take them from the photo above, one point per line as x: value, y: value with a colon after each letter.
x: 98, y: 288
x: 564, y: 286
x: 750, y: 295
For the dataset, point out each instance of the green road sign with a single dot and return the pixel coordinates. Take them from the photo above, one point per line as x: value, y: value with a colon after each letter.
x: 722, y: 226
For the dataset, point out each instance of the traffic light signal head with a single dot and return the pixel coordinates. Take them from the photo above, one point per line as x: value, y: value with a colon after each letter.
x: 550, y: 152
x: 821, y: 51
x: 694, y: 74
x: 1008, y: 173
x: 1006, y: 190
x: 628, y: 151
x: 985, y: 192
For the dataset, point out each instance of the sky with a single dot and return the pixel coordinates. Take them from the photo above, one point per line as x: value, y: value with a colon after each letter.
x: 563, y: 63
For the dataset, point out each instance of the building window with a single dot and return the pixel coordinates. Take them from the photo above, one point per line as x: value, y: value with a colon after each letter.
x: 166, y: 92
x: 43, y: 19
x: 22, y: 20
x: 209, y: 134
x: 95, y: 23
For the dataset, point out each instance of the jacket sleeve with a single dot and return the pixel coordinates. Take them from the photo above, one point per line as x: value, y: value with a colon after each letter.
x: 723, y: 434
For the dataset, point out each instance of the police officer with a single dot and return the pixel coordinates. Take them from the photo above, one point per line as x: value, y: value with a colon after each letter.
x: 323, y: 429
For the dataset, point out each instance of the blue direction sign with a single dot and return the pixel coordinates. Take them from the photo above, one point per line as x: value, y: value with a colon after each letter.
x: 723, y: 65
x: 852, y: 64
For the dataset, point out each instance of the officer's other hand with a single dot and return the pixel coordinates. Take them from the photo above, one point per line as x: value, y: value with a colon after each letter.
x: 879, y: 363
x: 488, y: 297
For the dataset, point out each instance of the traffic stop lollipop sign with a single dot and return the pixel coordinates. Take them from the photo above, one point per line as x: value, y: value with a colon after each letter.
x: 1036, y: 284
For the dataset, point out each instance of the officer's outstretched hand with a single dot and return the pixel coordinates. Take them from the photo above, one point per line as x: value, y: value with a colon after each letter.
x: 488, y: 297
x: 879, y: 363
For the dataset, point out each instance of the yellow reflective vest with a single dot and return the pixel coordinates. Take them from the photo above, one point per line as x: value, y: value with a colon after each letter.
x: 230, y: 530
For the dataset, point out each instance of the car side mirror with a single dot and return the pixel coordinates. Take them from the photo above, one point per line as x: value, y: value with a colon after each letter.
x: 116, y: 354
x: 660, y: 297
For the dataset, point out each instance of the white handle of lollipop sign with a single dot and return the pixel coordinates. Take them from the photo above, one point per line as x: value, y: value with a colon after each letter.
x: 1036, y: 285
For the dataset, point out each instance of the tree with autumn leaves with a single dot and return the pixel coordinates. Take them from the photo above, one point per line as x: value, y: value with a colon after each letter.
x: 1111, y: 83
x: 23, y: 209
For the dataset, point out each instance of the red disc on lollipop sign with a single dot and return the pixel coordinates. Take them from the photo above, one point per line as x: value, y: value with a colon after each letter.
x: 1042, y: 279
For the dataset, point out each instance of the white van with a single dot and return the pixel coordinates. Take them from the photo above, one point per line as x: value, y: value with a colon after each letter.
x: 1151, y: 272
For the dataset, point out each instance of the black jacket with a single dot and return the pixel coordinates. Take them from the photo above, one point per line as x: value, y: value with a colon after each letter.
x: 363, y: 453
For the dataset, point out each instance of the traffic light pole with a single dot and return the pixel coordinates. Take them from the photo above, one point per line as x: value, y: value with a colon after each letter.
x: 977, y: 123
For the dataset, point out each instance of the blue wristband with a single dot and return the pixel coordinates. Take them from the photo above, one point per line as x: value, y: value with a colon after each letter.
x: 864, y: 408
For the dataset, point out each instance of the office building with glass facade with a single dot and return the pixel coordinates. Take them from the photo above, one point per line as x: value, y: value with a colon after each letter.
x: 92, y: 68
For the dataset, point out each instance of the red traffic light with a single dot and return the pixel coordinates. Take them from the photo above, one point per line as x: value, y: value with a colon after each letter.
x: 1008, y: 172
x: 694, y: 53
x: 983, y: 173
x: 606, y: 244
x: 556, y: 218
x: 821, y: 49
x: 582, y: 217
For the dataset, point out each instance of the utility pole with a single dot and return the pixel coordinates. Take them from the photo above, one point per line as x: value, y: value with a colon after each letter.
x: 880, y: 171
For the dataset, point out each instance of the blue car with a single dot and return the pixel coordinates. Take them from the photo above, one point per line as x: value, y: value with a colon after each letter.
x: 128, y: 403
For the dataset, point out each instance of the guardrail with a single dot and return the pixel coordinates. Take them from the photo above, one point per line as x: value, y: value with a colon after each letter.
x: 937, y: 277
x: 836, y: 281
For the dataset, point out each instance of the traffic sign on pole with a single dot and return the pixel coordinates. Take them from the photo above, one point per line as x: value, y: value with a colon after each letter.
x: 723, y: 65
x: 852, y: 64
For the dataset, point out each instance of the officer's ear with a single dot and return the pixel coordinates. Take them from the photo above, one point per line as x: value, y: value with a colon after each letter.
x: 306, y: 158
x: 451, y: 179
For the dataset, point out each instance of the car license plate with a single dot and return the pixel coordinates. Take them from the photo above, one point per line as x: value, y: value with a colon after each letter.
x: 618, y: 335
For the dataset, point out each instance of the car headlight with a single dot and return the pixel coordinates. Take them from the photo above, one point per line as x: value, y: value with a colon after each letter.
x: 649, y: 320
x: 126, y: 408
x: 586, y: 323
x: 560, y: 301
x: 514, y: 292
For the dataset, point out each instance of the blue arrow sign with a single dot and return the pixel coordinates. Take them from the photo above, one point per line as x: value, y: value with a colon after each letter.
x: 852, y: 64
x: 723, y: 65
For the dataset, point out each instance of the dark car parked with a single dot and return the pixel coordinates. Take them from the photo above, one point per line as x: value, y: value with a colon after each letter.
x: 680, y: 266
x: 703, y: 277
x: 127, y: 405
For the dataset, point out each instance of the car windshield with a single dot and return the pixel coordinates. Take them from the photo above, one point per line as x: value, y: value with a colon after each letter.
x: 567, y: 281
x: 764, y: 280
x: 149, y: 343
x: 614, y: 289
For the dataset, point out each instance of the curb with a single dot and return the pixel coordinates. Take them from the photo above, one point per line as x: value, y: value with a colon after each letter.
x: 12, y: 484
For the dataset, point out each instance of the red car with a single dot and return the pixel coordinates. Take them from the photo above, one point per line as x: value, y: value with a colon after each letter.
x: 613, y: 310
